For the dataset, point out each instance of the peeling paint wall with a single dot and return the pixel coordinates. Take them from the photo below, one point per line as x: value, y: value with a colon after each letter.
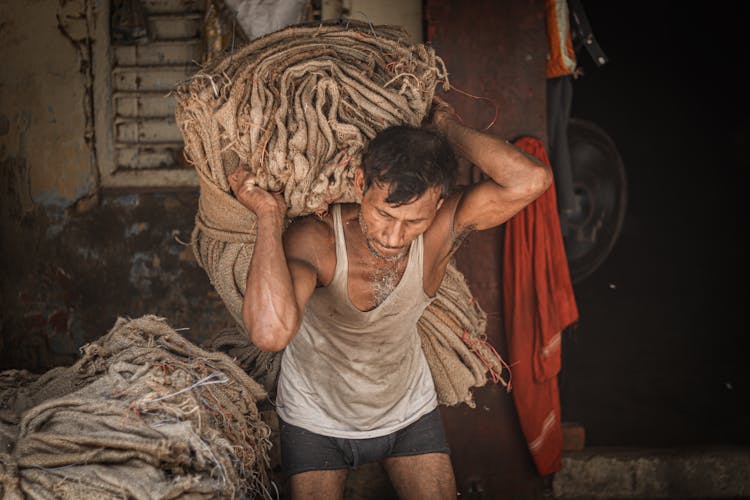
x: 73, y: 258
x: 67, y: 275
x: 44, y: 99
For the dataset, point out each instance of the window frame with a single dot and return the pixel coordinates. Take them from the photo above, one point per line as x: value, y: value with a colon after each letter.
x: 110, y: 176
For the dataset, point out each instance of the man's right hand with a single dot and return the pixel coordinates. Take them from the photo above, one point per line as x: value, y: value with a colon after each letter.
x: 262, y: 203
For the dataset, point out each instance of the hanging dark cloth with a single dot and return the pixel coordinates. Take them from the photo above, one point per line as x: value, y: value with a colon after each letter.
x: 539, y: 304
x: 560, y: 69
x: 559, y: 104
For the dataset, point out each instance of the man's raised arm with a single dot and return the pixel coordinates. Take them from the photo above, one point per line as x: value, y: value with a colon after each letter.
x: 515, y: 177
x: 277, y: 288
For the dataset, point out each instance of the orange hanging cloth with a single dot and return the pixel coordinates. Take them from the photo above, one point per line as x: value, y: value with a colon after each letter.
x: 561, y: 58
x: 539, y: 304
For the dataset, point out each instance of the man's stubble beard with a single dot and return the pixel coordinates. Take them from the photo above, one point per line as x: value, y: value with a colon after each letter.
x: 371, y: 247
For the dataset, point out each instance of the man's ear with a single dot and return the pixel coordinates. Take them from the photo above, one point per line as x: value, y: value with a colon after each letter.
x: 359, y: 183
x: 439, y: 204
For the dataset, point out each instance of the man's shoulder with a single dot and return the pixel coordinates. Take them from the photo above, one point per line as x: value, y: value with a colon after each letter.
x: 314, y: 229
x: 311, y: 226
x: 441, y: 242
x: 311, y: 239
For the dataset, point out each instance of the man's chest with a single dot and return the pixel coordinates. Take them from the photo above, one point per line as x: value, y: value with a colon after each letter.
x: 370, y: 283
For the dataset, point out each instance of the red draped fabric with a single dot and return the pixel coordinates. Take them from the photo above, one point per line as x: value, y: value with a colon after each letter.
x: 539, y: 304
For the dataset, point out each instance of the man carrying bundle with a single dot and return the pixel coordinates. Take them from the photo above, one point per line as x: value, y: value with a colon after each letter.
x: 343, y: 293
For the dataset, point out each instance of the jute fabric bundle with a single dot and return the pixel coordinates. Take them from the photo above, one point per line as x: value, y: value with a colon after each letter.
x: 144, y: 414
x: 297, y: 108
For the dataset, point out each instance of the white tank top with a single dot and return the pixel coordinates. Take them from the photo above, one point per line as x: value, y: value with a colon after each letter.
x: 353, y: 374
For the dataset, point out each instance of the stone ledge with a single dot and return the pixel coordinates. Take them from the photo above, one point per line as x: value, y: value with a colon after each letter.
x: 680, y: 473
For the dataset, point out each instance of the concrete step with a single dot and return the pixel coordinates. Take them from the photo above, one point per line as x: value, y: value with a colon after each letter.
x: 674, y: 473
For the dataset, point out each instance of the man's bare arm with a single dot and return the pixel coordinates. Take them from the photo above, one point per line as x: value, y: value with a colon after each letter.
x: 515, y: 177
x: 515, y: 180
x: 277, y: 288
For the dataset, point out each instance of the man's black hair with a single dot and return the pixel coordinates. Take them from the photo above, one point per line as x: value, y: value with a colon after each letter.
x: 409, y: 160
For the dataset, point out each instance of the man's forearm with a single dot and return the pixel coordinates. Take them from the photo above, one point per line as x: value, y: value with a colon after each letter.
x: 505, y: 164
x: 269, y: 310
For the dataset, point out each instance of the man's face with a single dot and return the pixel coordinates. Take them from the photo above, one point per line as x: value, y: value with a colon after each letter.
x: 389, y: 229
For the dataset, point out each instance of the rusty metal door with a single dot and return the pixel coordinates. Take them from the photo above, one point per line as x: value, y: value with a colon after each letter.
x: 496, y: 52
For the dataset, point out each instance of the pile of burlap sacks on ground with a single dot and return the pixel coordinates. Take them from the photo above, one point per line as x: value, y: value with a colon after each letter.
x: 296, y: 108
x: 143, y: 414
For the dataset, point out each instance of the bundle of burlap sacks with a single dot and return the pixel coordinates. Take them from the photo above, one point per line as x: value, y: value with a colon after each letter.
x: 143, y: 414
x: 297, y: 107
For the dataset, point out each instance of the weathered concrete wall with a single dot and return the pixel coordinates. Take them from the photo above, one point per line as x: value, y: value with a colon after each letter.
x: 67, y: 278
x: 72, y: 258
x: 44, y: 105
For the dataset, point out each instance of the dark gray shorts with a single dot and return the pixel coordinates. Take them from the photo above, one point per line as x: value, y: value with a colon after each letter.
x: 303, y: 451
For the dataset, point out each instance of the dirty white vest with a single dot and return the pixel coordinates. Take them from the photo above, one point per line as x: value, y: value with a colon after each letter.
x: 354, y: 374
